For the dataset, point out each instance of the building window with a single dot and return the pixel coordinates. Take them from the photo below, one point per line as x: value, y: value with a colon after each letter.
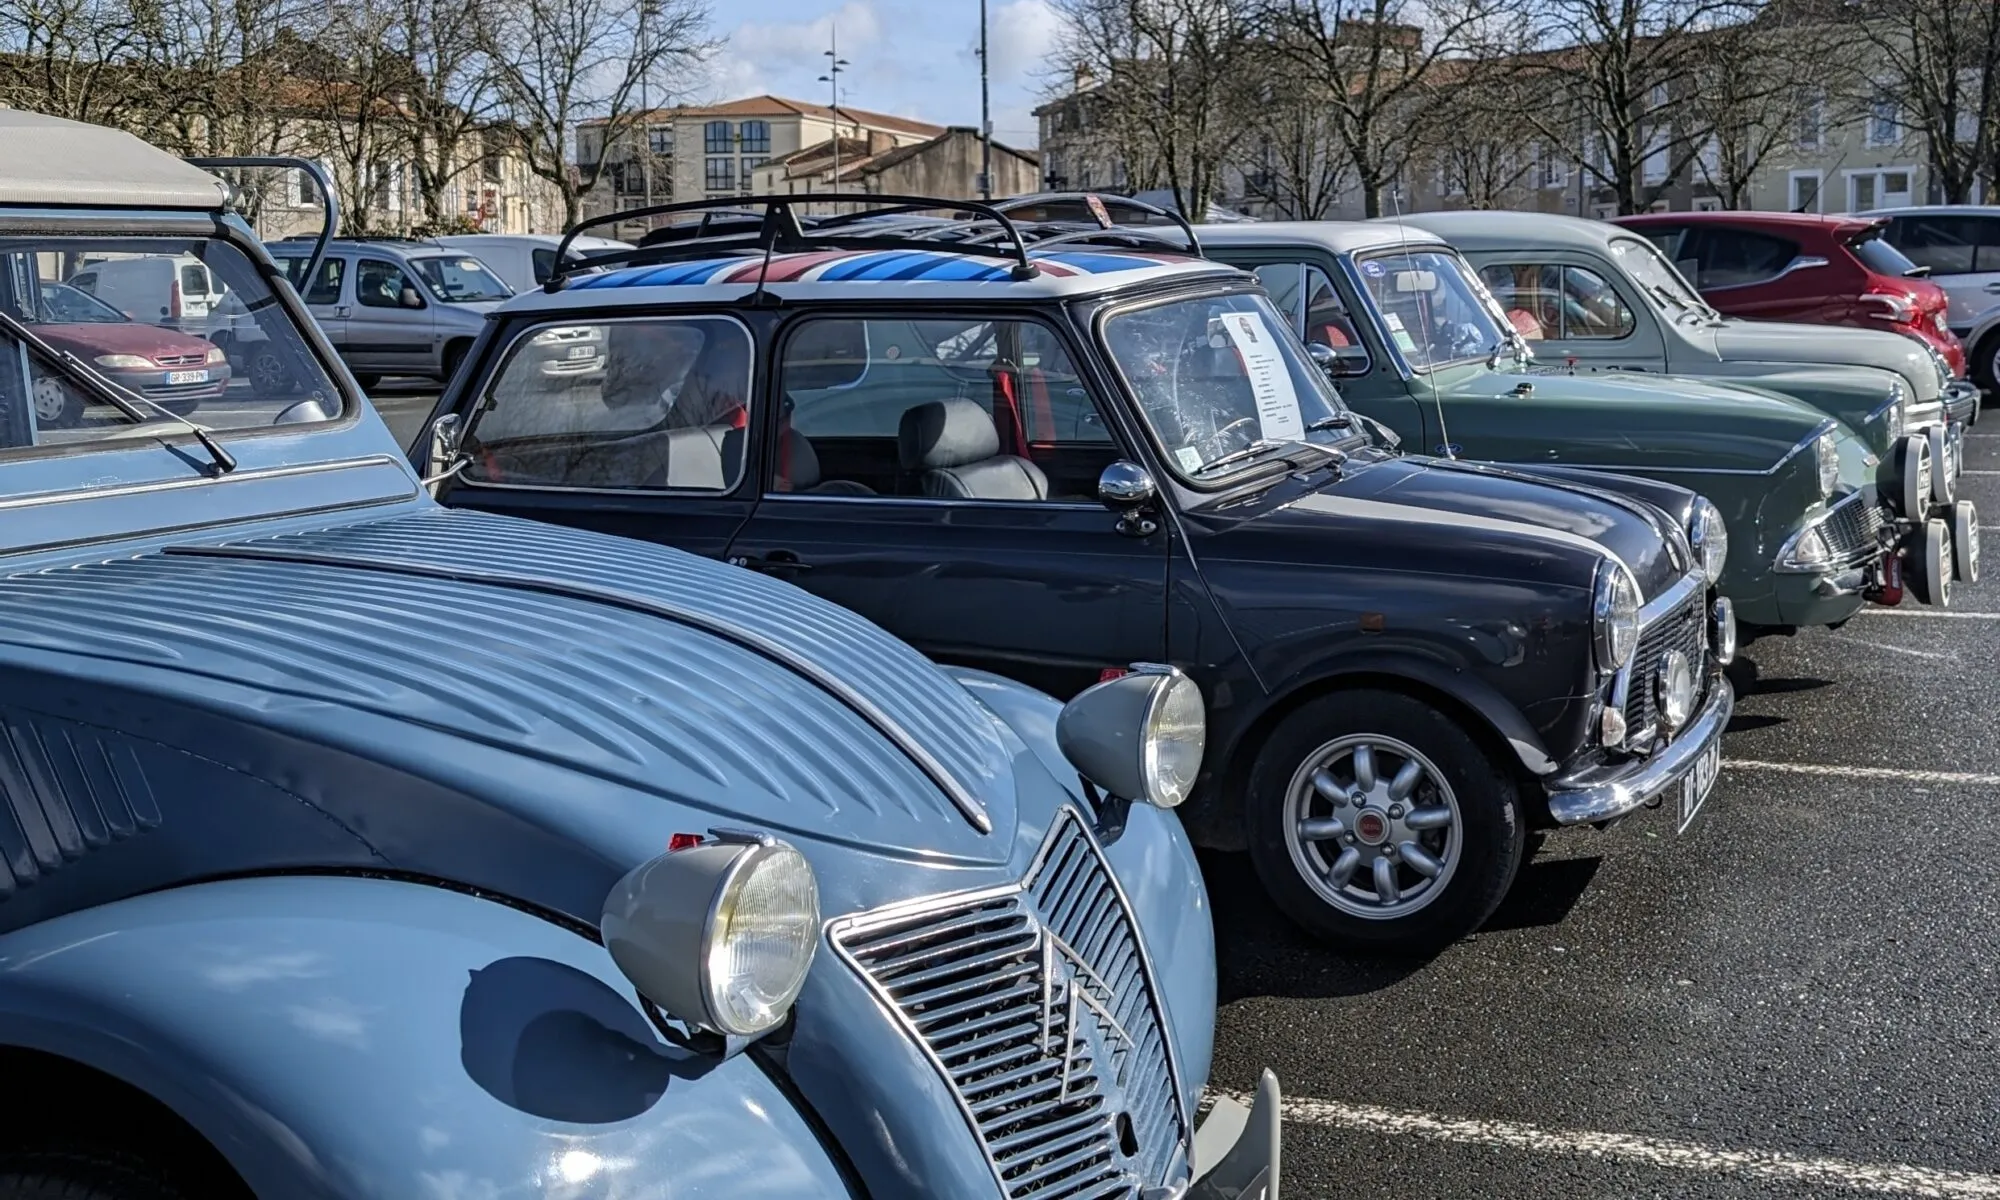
x: 1555, y: 172
x: 716, y: 138
x: 1812, y: 123
x: 1653, y: 167
x: 1878, y: 189
x: 1885, y: 123
x: 1805, y: 187
x: 755, y: 137
x: 1967, y: 123
x: 721, y: 174
x: 1708, y: 204
x: 660, y: 139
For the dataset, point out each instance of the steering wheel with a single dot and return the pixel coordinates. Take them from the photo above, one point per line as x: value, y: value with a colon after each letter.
x: 1219, y: 443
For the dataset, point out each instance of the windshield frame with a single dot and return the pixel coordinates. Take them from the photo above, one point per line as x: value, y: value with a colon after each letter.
x: 1351, y: 264
x: 415, y: 262
x: 1113, y: 307
x: 1696, y: 303
x: 183, y: 225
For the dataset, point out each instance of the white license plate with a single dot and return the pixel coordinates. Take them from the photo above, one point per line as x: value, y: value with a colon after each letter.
x: 1698, y: 784
x: 187, y: 376
x: 577, y: 352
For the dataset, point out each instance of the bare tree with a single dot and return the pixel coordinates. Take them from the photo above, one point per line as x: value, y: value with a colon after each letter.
x: 1617, y: 83
x: 1295, y: 162
x: 68, y: 58
x: 1178, y: 81
x: 558, y: 63
x: 1471, y: 125
x: 451, y: 97
x: 356, y: 84
x: 1758, y: 86
x: 1942, y: 67
x: 1369, y: 62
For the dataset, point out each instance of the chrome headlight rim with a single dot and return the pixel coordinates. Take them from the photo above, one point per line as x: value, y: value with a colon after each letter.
x: 1895, y: 413
x: 1826, y: 456
x: 1139, y: 736
x: 1708, y: 537
x: 1177, y: 724
x: 1614, y: 616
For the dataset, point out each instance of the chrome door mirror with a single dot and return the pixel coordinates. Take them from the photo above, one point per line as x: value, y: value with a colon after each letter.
x: 1127, y: 489
x: 1339, y: 362
x: 447, y: 432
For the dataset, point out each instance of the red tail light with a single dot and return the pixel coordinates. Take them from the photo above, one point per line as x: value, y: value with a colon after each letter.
x: 1893, y: 307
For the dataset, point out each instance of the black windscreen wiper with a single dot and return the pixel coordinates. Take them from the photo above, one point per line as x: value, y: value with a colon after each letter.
x: 1260, y: 446
x: 1337, y: 421
x: 108, y: 392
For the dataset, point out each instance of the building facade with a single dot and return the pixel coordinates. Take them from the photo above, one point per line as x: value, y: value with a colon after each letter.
x: 948, y: 165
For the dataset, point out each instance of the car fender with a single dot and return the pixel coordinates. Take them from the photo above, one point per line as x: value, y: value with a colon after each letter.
x: 348, y: 1037
x: 1859, y: 397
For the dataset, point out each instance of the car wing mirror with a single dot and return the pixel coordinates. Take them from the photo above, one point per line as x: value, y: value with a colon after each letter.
x: 446, y: 455
x: 1339, y: 362
x: 1127, y: 489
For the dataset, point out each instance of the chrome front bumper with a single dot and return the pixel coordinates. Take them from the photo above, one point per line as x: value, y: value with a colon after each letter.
x: 1961, y: 400
x: 1235, y: 1152
x: 1608, y: 791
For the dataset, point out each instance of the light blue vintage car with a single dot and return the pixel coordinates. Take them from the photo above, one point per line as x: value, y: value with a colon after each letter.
x: 352, y: 847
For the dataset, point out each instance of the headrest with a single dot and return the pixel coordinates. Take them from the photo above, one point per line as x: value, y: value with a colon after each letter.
x: 945, y: 434
x: 798, y: 462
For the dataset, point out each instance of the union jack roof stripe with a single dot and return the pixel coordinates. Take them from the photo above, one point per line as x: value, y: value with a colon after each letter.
x: 868, y: 266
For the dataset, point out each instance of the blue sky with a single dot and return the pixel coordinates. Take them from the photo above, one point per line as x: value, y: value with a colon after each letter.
x: 915, y: 58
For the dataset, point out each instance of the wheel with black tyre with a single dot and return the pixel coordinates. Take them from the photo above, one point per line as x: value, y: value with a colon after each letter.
x: 1913, y: 475
x: 268, y: 371
x: 1928, y: 570
x: 57, y: 404
x: 1378, y: 823
x: 82, y: 1175
x: 1965, y: 542
x: 1985, y: 363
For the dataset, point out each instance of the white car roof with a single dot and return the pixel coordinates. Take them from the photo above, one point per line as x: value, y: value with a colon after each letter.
x: 891, y: 273
x: 1341, y: 237
x: 472, y: 241
x: 51, y: 161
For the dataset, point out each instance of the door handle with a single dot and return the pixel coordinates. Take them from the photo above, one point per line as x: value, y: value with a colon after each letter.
x: 340, y: 310
x: 1994, y: 286
x: 777, y: 562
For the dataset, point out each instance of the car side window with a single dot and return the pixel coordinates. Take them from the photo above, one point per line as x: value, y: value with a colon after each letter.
x: 325, y: 286
x: 1948, y: 244
x: 1304, y: 293
x: 1737, y: 257
x: 944, y: 408
x: 379, y: 284
x: 643, y: 404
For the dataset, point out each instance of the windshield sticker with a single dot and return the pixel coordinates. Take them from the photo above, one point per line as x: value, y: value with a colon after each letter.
x: 1270, y: 378
x: 1394, y: 321
x: 1372, y: 269
x: 1404, y: 341
x: 1189, y: 458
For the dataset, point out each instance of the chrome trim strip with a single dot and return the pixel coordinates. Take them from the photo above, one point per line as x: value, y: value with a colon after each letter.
x: 838, y: 929
x: 829, y: 682
x: 1790, y: 546
x: 168, y: 485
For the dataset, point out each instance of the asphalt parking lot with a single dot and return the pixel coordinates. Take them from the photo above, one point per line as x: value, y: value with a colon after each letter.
x: 1795, y: 998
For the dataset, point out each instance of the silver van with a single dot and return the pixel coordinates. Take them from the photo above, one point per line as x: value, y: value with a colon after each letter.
x: 395, y: 306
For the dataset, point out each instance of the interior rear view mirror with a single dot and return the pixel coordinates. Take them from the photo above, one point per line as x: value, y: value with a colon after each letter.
x: 1416, y: 281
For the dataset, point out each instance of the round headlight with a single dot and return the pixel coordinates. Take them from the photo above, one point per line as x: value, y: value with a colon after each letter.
x: 1829, y: 464
x: 1676, y: 689
x: 1176, y: 733
x: 719, y: 935
x: 1139, y: 736
x: 1616, y: 615
x: 1710, y: 539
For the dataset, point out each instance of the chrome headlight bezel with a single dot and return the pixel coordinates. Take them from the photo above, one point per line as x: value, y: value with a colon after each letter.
x: 1614, y: 616
x: 1708, y: 537
x: 1895, y: 413
x: 1826, y: 457
x: 676, y: 924
x: 1140, y: 736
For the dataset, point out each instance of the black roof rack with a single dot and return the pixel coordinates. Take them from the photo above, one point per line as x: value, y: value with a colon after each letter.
x: 1087, y: 217
x: 778, y: 228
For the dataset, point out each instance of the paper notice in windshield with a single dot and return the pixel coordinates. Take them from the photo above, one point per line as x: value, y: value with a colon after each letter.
x: 1400, y: 335
x: 1270, y: 380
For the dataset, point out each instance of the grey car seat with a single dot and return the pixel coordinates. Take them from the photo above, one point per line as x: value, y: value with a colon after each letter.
x: 954, y: 449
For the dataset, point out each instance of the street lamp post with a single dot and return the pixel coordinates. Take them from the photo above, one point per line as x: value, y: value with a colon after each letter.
x: 985, y: 116
x: 835, y: 64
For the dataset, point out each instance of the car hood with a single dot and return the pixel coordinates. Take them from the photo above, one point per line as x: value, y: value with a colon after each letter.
x: 1818, y: 345
x: 658, y: 673
x: 1494, y: 521
x: 1671, y: 422
x: 120, y: 337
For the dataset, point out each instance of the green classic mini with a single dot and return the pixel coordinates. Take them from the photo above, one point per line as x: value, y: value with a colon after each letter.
x: 1797, y: 532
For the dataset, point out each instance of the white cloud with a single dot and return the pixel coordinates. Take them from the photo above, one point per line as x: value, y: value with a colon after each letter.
x: 1020, y: 34
x: 758, y: 53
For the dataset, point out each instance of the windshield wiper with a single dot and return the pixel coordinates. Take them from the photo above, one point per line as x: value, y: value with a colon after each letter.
x: 1260, y: 446
x: 109, y: 392
x: 1337, y: 421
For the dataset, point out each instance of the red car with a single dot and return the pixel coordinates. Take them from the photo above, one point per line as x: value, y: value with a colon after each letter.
x: 1828, y: 270
x: 177, y: 371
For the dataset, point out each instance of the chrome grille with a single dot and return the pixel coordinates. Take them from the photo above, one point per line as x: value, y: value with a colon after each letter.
x: 1037, y: 1004
x: 178, y: 360
x: 1679, y: 629
x: 1851, y: 528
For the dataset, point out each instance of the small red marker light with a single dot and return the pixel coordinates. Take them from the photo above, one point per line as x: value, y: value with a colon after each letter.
x: 1110, y: 673
x: 683, y: 841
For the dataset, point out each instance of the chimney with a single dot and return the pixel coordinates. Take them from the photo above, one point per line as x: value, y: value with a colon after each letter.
x: 879, y: 143
x: 1085, y: 78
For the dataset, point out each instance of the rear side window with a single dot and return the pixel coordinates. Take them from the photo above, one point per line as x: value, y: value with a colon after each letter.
x: 325, y: 286
x: 1880, y: 257
x: 1547, y: 301
x: 1737, y: 257
x: 194, y: 280
x: 647, y: 404
x: 1948, y: 244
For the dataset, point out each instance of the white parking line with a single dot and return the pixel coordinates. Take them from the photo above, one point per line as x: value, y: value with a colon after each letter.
x: 1979, y: 472
x: 1665, y: 1153
x: 1827, y: 769
x: 1947, y: 613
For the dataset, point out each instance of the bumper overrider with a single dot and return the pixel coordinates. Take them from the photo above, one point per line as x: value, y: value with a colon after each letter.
x: 1662, y: 756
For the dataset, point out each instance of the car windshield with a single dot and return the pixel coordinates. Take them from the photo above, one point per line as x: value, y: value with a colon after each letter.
x: 1882, y: 258
x: 1663, y: 284
x: 113, y: 304
x: 64, y: 305
x: 1430, y: 306
x: 1223, y: 378
x: 460, y: 280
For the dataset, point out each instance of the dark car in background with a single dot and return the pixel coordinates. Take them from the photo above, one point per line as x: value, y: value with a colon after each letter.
x: 1828, y: 270
x: 1048, y: 463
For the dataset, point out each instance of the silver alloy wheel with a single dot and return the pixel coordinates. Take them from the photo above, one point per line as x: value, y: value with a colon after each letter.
x: 1372, y: 826
x: 267, y: 372
x: 51, y: 398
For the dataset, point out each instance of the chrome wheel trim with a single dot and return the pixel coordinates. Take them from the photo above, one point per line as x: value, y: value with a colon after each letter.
x: 267, y: 372
x: 50, y: 398
x: 1937, y: 562
x: 1965, y: 542
x: 1353, y: 785
x: 1944, y: 472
